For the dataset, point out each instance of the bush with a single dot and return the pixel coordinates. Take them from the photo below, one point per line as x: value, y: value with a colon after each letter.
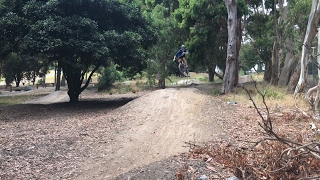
x: 108, y: 77
x: 273, y: 94
x: 40, y: 81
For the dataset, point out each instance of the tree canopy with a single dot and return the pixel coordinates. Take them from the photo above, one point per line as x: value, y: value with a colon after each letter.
x: 80, y: 34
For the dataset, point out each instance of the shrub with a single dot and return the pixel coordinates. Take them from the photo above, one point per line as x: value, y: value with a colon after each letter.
x: 273, y: 94
x: 108, y: 77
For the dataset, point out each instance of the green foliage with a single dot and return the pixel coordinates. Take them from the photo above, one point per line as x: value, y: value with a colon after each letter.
x: 40, y: 81
x: 215, y: 91
x: 161, y: 54
x: 273, y: 94
x: 297, y: 21
x: 108, y: 77
x: 79, y: 34
x: 248, y: 57
x: 13, y: 68
x: 205, y: 22
x: 204, y: 78
x: 152, y: 73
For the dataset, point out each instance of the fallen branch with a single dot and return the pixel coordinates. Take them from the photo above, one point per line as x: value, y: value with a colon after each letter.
x: 266, y: 124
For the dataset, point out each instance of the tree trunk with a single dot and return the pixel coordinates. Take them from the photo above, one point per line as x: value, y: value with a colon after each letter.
x: 231, y: 60
x: 267, y: 71
x: 162, y: 74
x: 294, y: 79
x: 58, y: 78
x: 275, y: 51
x: 44, y: 79
x: 73, y: 88
x: 211, y: 70
x: 63, y: 80
x: 239, y: 37
x: 288, y: 64
x: 307, y: 43
x: 275, y: 63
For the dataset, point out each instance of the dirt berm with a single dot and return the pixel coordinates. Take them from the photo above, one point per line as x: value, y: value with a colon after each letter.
x: 157, y: 126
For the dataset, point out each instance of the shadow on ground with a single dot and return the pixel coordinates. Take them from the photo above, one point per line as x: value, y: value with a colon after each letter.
x: 21, y: 112
x: 171, y: 168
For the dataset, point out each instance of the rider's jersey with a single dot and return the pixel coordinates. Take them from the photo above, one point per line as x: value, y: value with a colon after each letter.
x: 179, y: 53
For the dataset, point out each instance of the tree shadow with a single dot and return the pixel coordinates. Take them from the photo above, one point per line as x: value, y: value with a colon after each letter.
x: 29, y: 112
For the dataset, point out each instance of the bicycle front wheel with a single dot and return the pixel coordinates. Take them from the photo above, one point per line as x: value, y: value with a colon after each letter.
x: 183, y: 70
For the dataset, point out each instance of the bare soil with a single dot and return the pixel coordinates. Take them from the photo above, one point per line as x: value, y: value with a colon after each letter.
x: 143, y: 135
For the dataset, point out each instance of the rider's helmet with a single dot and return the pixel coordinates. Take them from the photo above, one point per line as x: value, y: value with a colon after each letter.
x: 183, y: 47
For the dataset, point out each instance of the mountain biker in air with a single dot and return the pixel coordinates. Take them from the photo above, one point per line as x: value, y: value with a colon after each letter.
x: 181, y: 54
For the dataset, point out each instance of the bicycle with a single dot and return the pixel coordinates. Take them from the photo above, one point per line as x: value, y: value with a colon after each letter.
x: 182, y: 69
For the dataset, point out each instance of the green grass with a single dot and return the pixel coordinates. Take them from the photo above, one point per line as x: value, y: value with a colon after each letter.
x: 204, y: 79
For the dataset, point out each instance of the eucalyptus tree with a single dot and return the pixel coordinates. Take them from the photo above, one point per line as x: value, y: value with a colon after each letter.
x: 295, y: 30
x: 311, y: 32
x: 259, y: 29
x: 80, y: 34
x: 205, y: 22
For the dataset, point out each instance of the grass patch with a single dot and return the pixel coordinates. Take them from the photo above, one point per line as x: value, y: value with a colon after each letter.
x: 274, y: 96
x: 12, y: 100
x: 128, y: 86
x: 204, y: 79
x: 216, y: 91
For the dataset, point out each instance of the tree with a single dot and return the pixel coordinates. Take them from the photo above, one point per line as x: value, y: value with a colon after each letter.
x: 248, y: 57
x: 296, y: 28
x: 13, y: 27
x: 307, y: 43
x: 231, y: 61
x: 162, y: 51
x: 205, y: 22
x: 259, y: 30
x: 80, y: 34
x: 13, y: 69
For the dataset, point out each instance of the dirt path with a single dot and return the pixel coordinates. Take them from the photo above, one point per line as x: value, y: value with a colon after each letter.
x: 158, y: 125
x: 54, y: 97
x: 101, y: 143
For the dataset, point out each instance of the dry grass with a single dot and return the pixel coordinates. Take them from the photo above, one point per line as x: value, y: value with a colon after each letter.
x: 275, y: 96
x: 12, y: 100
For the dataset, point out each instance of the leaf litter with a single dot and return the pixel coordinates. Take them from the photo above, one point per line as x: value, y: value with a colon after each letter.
x: 52, y: 141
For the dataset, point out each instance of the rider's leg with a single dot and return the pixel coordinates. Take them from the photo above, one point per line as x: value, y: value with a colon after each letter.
x: 185, y: 62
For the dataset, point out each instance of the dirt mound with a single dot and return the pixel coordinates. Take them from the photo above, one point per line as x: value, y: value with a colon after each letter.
x: 105, y: 136
x: 158, y: 125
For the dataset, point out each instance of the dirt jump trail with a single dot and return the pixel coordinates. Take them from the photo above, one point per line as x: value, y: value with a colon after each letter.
x: 54, y: 97
x: 106, y: 136
x: 159, y: 124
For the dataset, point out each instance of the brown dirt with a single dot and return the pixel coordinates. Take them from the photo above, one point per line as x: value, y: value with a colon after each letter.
x: 144, y: 135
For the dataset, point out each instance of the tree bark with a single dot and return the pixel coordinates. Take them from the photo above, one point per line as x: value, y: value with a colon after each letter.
x: 294, y: 79
x: 239, y: 37
x: 277, y: 46
x: 63, y: 80
x: 231, y: 60
x: 58, y: 78
x: 211, y: 70
x: 73, y: 87
x: 307, y: 43
x: 288, y: 64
